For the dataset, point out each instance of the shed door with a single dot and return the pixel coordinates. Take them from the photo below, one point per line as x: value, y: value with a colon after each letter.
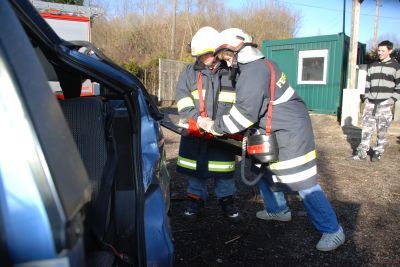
x: 287, y: 60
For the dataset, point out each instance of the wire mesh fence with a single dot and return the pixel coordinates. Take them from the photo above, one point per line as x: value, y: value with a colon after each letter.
x: 169, y: 71
x: 150, y: 80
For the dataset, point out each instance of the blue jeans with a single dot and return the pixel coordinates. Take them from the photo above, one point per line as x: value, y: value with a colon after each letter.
x: 317, y: 205
x: 222, y: 187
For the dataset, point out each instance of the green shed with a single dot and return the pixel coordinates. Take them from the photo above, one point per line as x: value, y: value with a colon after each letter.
x: 316, y: 67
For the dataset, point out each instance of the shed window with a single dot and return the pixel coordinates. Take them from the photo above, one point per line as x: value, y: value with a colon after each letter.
x: 312, y: 67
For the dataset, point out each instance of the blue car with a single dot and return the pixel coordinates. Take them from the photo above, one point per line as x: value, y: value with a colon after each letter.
x: 83, y: 180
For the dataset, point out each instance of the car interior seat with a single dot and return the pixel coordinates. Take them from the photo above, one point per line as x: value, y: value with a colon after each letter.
x: 90, y: 119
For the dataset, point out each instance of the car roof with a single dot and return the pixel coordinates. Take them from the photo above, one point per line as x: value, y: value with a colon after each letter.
x: 65, y: 55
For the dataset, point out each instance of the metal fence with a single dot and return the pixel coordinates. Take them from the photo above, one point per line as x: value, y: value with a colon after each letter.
x: 169, y: 71
x: 150, y: 80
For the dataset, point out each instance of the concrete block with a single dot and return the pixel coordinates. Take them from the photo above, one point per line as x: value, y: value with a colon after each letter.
x: 350, y: 107
x: 397, y: 111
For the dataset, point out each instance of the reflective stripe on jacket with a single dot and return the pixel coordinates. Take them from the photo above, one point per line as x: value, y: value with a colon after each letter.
x: 291, y: 123
x: 199, y: 157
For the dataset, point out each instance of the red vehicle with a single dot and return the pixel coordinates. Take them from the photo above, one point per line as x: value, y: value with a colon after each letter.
x: 71, y: 23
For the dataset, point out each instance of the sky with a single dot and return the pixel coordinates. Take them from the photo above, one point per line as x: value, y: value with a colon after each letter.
x: 323, y: 17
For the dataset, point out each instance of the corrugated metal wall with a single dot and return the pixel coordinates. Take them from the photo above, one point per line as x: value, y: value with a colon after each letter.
x: 321, y: 98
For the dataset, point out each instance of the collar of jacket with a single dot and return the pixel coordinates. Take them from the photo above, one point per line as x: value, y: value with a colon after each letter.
x: 390, y: 60
x: 249, y: 54
x: 198, y: 65
x: 221, y: 65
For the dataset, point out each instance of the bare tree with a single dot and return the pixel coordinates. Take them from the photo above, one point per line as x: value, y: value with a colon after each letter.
x: 140, y: 31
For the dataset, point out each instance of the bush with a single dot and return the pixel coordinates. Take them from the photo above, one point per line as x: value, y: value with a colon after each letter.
x: 372, y: 55
x: 133, y: 67
x: 396, y: 54
x: 145, y: 33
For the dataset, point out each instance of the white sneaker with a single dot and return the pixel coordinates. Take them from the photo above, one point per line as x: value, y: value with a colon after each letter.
x: 332, y: 241
x: 283, y: 216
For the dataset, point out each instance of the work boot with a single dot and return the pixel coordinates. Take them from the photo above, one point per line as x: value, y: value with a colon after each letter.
x: 356, y: 157
x: 229, y: 209
x: 332, y: 241
x: 376, y: 156
x: 194, y: 206
x: 283, y: 216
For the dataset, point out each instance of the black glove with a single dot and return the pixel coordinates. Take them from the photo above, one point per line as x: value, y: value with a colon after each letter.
x: 362, y: 97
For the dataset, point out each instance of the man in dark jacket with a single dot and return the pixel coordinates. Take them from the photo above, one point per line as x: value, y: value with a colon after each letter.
x: 204, y: 90
x: 382, y: 90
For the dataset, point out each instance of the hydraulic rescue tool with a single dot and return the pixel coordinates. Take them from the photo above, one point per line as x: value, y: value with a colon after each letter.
x: 261, y: 148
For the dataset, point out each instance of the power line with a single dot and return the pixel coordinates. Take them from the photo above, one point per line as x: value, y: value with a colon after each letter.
x: 331, y: 24
x: 319, y: 7
x: 337, y: 10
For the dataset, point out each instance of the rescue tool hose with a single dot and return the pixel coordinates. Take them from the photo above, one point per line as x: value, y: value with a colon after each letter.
x: 243, y: 163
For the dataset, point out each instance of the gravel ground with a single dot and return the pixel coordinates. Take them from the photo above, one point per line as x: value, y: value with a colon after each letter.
x: 365, y: 196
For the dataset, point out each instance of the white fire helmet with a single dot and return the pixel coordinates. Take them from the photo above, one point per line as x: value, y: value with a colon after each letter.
x: 232, y: 39
x: 204, y: 41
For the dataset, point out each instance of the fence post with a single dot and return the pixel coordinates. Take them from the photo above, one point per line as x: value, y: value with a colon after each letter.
x: 159, y: 80
x: 145, y: 79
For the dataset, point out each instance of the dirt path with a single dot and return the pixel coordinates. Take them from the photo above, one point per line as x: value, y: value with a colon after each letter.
x: 365, y: 195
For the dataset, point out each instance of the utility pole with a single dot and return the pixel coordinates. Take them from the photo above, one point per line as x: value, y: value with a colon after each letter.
x: 351, y: 96
x: 344, y: 18
x: 378, y: 2
x: 355, y: 19
x: 143, y: 6
x: 173, y: 30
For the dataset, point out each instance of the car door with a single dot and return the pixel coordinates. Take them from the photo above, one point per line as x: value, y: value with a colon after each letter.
x: 135, y: 204
x: 42, y: 193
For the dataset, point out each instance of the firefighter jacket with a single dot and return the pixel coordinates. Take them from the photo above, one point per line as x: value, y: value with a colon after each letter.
x: 198, y: 156
x: 296, y: 168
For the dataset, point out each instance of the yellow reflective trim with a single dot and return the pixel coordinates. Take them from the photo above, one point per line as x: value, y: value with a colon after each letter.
x: 296, y: 177
x: 195, y: 94
x: 202, y: 52
x: 282, y: 80
x: 291, y: 163
x: 184, y: 103
x: 229, y: 97
x: 242, y: 120
x: 221, y: 166
x: 186, y: 163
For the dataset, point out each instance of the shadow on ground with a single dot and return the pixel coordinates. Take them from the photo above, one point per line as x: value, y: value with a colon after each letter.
x: 214, y: 241
x: 365, y: 196
x: 352, y: 133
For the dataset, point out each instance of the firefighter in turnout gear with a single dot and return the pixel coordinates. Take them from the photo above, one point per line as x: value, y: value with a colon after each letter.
x: 296, y: 168
x: 382, y: 90
x: 205, y: 91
